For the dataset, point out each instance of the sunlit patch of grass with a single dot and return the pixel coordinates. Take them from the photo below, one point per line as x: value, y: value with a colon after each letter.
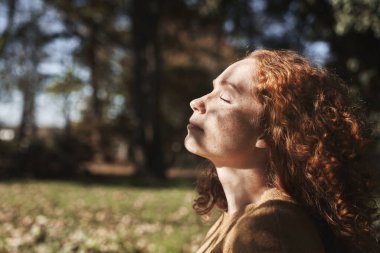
x: 50, y: 216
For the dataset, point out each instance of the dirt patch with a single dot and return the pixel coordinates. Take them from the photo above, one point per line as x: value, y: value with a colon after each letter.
x: 108, y: 169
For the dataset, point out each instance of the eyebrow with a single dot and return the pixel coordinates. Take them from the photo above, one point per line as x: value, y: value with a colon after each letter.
x: 224, y: 82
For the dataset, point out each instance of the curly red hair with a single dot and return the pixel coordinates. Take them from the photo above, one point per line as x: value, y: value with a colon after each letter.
x: 317, y: 133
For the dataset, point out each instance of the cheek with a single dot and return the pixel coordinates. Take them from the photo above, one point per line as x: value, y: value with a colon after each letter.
x: 234, y: 132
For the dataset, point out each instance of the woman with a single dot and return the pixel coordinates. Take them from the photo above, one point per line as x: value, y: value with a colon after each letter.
x: 285, y: 139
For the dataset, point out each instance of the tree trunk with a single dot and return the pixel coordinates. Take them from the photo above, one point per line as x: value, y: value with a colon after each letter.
x: 4, y: 37
x: 96, y: 105
x: 146, y: 87
x: 29, y: 85
x: 27, y: 128
x: 67, y: 114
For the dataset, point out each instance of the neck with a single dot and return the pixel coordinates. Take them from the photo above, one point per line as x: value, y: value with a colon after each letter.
x: 241, y: 186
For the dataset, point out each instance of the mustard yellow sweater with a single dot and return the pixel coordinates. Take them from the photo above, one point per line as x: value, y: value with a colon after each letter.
x: 276, y: 224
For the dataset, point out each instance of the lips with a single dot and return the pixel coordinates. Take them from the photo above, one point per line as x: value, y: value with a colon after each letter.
x: 194, y: 126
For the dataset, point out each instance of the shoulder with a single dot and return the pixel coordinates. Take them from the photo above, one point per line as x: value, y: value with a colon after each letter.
x: 276, y: 226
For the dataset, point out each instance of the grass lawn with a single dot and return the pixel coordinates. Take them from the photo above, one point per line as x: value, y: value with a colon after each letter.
x: 97, y: 217
x: 56, y: 216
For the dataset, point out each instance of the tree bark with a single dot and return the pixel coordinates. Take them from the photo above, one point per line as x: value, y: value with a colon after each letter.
x: 147, y: 147
x: 27, y: 128
x: 96, y: 110
x: 11, y: 4
x: 29, y: 84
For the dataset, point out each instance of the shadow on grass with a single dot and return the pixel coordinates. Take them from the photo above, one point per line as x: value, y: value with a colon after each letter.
x: 112, y: 181
x: 139, y: 181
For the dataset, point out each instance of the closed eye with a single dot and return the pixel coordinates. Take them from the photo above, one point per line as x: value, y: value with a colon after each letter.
x: 225, y: 100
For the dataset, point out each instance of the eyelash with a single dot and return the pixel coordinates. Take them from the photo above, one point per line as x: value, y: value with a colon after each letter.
x: 225, y: 100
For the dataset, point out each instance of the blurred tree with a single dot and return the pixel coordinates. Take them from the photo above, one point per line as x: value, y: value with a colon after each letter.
x: 147, y: 148
x: 64, y: 87
x: 23, y: 56
x: 355, y: 45
x: 147, y: 59
x: 29, y: 53
x: 10, y: 6
x: 96, y: 24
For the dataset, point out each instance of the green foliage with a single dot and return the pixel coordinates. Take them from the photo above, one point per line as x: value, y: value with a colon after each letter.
x: 66, y: 84
x: 72, y: 217
x: 357, y: 15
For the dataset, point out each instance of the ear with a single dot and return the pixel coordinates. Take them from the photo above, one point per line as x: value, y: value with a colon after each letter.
x: 261, y: 143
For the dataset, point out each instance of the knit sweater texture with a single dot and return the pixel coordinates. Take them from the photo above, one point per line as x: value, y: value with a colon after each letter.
x: 275, y: 224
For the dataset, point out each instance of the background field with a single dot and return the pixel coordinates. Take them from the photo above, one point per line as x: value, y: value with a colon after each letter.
x: 99, y: 216
x: 54, y: 216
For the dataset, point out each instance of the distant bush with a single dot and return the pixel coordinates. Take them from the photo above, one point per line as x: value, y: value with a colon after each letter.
x: 61, y: 157
x: 7, y: 150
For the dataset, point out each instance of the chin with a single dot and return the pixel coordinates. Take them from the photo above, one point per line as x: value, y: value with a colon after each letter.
x: 189, y: 144
x: 193, y: 147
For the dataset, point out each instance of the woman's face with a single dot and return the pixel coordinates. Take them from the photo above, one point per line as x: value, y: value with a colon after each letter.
x: 222, y: 127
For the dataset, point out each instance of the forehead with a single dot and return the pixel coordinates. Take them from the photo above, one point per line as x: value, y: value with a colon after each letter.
x: 239, y: 73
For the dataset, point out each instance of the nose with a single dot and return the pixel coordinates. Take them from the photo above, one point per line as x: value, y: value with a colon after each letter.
x: 198, y: 105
